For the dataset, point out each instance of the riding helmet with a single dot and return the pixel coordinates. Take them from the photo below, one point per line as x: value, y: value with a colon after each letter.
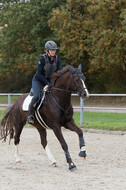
x: 50, y: 45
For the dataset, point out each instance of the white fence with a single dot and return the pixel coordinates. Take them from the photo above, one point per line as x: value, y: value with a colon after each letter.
x: 81, y: 107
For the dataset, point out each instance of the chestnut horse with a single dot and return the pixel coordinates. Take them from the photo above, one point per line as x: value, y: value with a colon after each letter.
x: 56, y: 111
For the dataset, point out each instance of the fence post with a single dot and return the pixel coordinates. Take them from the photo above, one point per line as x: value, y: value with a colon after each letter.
x: 81, y: 112
x: 9, y: 99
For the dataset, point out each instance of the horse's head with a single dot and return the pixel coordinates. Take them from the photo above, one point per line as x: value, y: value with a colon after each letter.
x: 78, y: 80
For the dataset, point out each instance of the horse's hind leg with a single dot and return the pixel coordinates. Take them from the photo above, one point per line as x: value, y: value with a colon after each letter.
x: 18, y: 130
x: 73, y: 127
x: 43, y: 136
x: 64, y: 146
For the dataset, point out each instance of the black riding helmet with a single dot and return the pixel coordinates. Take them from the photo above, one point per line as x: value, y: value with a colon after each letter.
x: 50, y: 45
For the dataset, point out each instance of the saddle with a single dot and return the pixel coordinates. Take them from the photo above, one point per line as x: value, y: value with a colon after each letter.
x: 28, y: 99
x: 38, y: 106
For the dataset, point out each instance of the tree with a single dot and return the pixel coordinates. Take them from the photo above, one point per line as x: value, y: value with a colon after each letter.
x: 71, y: 24
x: 107, y: 39
x: 107, y: 45
x: 25, y: 31
x: 93, y: 33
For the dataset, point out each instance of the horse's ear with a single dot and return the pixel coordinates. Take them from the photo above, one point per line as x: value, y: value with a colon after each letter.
x: 71, y: 69
x: 80, y: 67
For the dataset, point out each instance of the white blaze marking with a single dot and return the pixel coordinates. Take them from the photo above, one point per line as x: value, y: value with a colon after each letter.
x: 87, y: 93
x: 49, y: 154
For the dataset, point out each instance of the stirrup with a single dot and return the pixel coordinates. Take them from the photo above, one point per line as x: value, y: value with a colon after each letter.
x: 30, y: 119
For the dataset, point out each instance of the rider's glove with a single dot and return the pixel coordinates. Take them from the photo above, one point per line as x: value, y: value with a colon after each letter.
x: 47, y: 87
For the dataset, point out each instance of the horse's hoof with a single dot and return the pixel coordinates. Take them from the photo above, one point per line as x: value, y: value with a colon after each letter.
x: 18, y: 162
x: 54, y: 164
x: 82, y: 154
x: 72, y: 167
x: 83, y: 158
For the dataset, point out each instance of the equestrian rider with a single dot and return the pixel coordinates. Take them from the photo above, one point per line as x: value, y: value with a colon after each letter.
x: 47, y: 64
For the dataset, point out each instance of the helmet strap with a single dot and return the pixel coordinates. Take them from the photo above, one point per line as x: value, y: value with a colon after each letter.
x: 47, y: 51
x: 49, y: 54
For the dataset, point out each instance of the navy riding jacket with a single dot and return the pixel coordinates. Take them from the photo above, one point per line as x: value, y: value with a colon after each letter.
x: 40, y: 73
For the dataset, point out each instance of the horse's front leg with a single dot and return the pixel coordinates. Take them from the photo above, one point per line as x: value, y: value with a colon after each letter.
x: 64, y: 146
x: 43, y: 136
x: 73, y: 127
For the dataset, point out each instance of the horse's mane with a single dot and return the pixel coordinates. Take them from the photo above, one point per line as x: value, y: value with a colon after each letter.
x: 59, y: 73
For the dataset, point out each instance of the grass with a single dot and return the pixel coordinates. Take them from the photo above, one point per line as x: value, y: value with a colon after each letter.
x: 98, y: 120
x: 1, y: 114
x: 102, y: 120
x: 4, y: 99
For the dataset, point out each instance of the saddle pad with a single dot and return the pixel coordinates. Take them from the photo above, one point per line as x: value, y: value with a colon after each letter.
x: 26, y: 103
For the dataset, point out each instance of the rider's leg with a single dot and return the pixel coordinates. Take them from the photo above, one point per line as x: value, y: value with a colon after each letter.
x: 36, y: 85
x: 32, y: 108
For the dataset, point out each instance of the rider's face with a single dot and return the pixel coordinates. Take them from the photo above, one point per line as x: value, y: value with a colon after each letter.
x: 52, y: 52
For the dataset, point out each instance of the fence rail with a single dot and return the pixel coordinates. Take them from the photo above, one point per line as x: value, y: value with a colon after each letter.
x: 81, y: 107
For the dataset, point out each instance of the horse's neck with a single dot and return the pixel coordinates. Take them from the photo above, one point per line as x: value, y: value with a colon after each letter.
x: 63, y: 89
x: 64, y: 82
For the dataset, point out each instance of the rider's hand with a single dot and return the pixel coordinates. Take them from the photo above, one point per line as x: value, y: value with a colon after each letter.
x: 47, y: 87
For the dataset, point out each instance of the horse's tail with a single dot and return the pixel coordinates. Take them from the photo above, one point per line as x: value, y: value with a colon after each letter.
x: 6, y: 125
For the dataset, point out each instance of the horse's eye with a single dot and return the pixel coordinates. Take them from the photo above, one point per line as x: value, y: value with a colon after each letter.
x: 76, y: 79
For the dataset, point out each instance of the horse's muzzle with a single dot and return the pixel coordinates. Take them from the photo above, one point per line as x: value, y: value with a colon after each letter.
x: 84, y: 94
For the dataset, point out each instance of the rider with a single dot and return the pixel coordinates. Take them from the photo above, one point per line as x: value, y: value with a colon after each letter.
x: 47, y: 64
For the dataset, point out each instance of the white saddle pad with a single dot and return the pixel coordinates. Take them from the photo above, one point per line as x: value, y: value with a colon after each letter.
x: 26, y: 103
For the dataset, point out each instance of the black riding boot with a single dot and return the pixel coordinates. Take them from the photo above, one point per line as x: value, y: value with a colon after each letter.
x: 32, y: 107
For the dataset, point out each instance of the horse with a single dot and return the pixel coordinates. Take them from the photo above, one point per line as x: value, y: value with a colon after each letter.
x: 56, y: 111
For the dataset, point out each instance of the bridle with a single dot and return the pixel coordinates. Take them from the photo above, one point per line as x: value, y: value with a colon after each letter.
x: 70, y: 91
x: 73, y: 84
x: 82, y: 78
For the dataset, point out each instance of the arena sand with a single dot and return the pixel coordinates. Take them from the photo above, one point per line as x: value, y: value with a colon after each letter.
x: 103, y: 169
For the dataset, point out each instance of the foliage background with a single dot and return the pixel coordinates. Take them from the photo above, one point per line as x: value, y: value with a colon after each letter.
x: 90, y: 32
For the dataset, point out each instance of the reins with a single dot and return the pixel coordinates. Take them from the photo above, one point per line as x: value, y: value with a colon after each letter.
x: 60, y: 89
x: 65, y: 110
x: 64, y: 90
